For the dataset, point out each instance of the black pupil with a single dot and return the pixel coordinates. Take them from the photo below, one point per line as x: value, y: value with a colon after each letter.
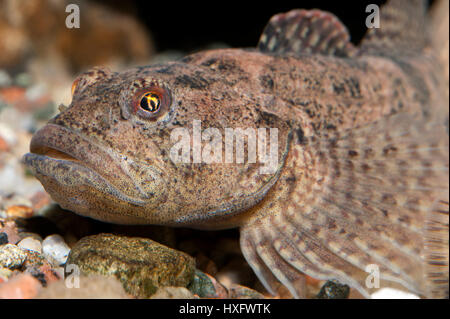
x: 150, y: 102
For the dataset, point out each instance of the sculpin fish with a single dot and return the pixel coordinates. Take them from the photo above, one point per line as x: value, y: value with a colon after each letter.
x: 360, y: 175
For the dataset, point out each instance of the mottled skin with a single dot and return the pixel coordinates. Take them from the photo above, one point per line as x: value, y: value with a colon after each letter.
x: 113, y: 165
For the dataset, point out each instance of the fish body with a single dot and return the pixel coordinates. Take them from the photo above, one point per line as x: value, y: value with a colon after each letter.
x: 358, y: 152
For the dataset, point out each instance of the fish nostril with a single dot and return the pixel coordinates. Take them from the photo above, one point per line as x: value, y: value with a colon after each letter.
x: 62, y: 107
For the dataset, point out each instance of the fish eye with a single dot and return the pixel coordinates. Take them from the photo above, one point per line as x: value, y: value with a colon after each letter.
x: 150, y: 102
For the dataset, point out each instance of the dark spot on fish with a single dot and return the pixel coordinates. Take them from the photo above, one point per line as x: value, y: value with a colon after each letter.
x: 166, y: 70
x: 338, y: 88
x: 332, y: 224
x: 300, y: 136
x: 266, y: 81
x: 197, y: 82
x: 389, y: 149
x: 291, y: 179
x: 352, y: 153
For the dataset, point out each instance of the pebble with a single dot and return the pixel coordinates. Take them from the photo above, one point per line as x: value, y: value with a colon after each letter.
x: 12, y: 256
x: 22, y: 286
x: 55, y: 249
x: 172, y: 293
x: 5, y: 273
x: 334, y: 290
x: 90, y: 287
x: 202, y: 286
x: 241, y: 292
x: 19, y: 211
x: 23, y: 80
x: 141, y: 265
x: 10, y: 229
x: 5, y: 79
x: 3, y: 238
x: 30, y: 243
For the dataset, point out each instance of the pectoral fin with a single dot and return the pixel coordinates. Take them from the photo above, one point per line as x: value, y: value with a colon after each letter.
x: 372, y: 196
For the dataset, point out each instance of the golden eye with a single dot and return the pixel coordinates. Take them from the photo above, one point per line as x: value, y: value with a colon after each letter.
x: 150, y: 102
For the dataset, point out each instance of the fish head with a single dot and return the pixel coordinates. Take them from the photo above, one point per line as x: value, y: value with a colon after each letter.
x: 126, y: 150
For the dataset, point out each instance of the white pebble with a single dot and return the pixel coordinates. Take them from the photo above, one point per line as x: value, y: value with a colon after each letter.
x: 55, y: 248
x: 391, y: 293
x: 30, y: 243
x: 5, y: 79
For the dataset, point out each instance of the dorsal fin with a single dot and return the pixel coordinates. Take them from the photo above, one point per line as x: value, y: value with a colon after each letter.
x: 401, y: 29
x: 306, y: 31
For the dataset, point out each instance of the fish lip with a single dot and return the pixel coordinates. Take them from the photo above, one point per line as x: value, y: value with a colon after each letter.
x: 76, y: 151
x: 40, y: 165
x: 53, y: 137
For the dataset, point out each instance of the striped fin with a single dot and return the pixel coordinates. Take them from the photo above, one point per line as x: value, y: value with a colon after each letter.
x: 306, y: 32
x: 402, y: 29
x: 372, y: 195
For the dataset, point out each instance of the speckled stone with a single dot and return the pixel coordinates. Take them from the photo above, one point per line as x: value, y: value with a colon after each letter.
x: 202, y: 286
x: 141, y: 265
x: 334, y: 290
x: 12, y: 256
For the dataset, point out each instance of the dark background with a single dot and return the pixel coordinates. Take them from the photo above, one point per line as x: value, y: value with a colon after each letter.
x: 187, y: 25
x: 190, y: 25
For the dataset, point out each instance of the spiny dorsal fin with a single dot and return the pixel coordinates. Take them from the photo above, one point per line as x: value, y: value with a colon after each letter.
x: 402, y: 29
x: 306, y: 31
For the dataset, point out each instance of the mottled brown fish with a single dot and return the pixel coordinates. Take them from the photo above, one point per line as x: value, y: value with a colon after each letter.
x: 361, y: 179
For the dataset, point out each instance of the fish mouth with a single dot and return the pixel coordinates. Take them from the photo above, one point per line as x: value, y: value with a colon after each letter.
x: 72, y: 160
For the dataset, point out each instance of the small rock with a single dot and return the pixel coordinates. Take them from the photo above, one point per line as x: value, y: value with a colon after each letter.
x: 90, y: 287
x: 19, y: 211
x: 142, y: 265
x: 10, y: 229
x: 23, y: 80
x: 334, y: 290
x: 30, y: 243
x: 172, y: 293
x: 5, y: 273
x: 5, y: 79
x: 22, y: 286
x: 12, y: 256
x: 241, y: 292
x: 202, y: 286
x: 4, y: 146
x: 8, y: 134
x: 26, y: 234
x: 39, y: 200
x: 55, y: 249
x: 45, y: 274
x: 3, y: 238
